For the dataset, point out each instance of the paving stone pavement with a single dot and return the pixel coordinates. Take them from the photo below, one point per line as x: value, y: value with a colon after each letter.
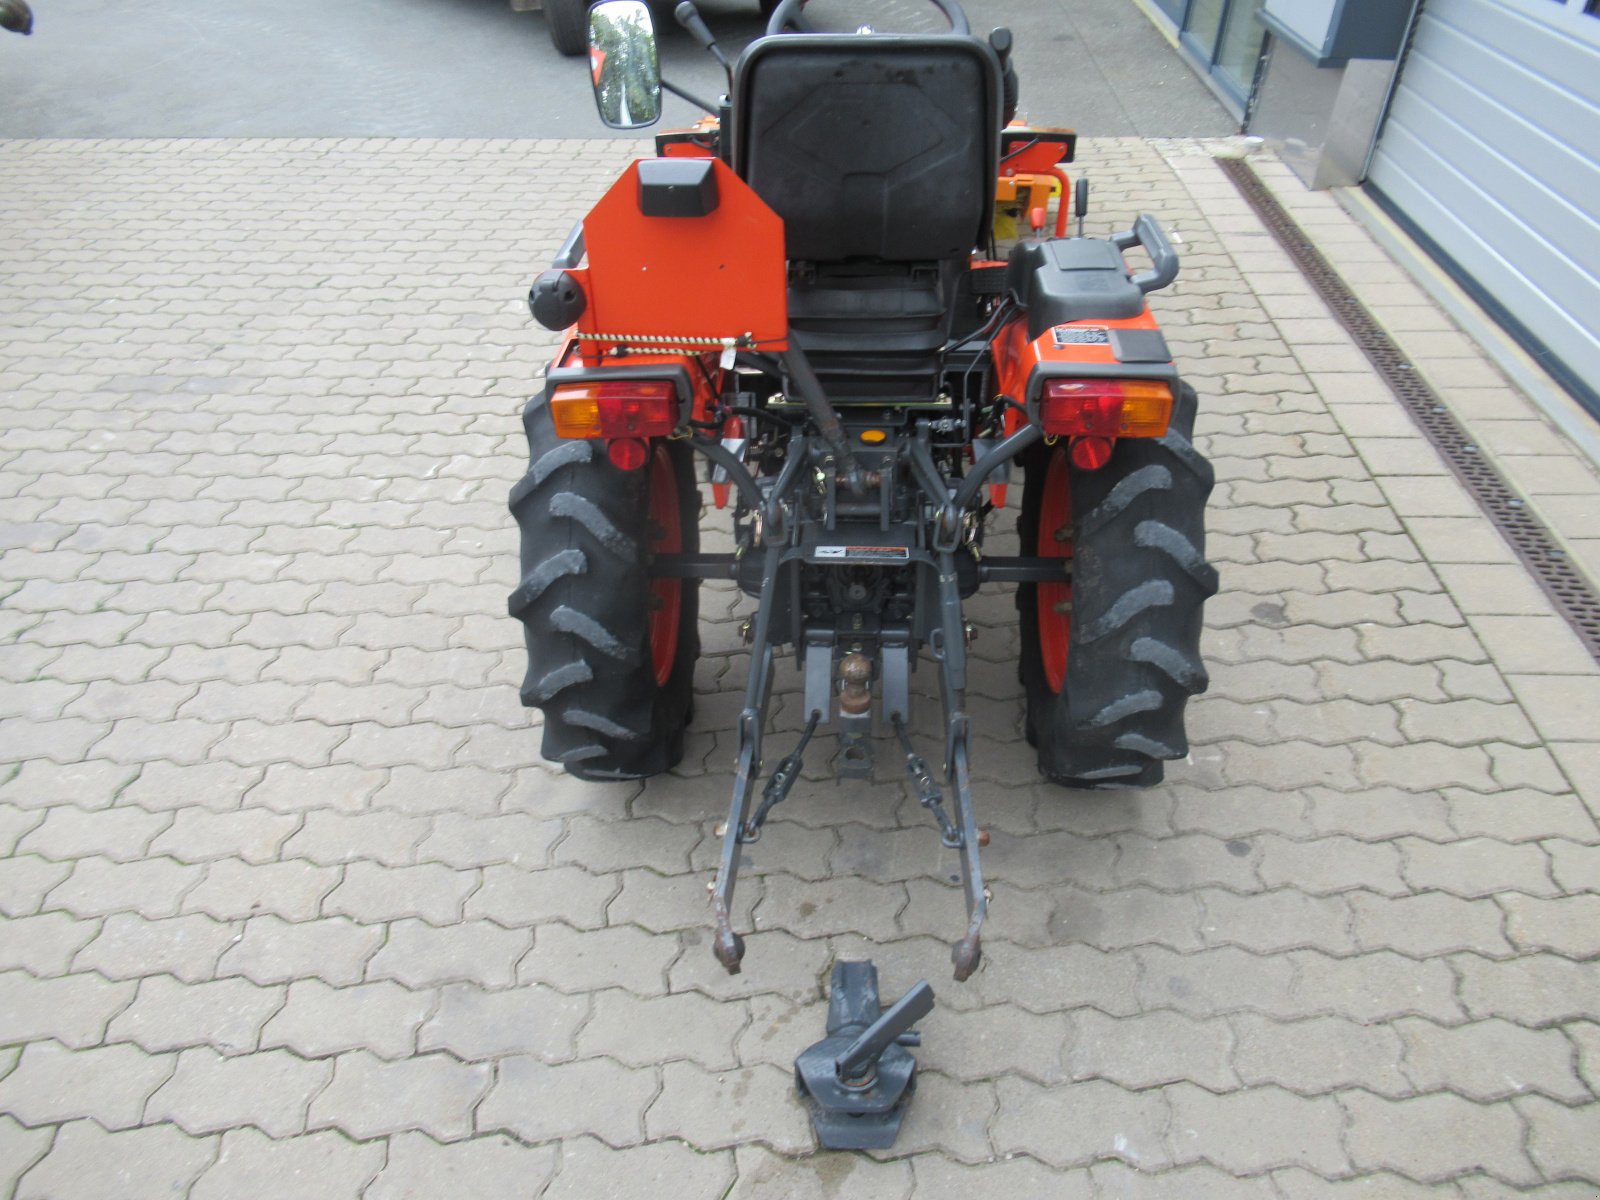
x: 293, y: 908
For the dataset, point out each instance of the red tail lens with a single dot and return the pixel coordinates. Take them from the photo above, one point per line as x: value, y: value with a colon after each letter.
x: 628, y: 454
x: 1106, y: 407
x: 1091, y: 453
x: 631, y: 408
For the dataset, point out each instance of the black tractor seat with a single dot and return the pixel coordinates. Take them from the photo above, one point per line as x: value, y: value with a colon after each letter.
x: 879, y: 152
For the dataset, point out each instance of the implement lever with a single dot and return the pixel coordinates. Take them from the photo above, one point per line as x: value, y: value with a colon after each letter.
x: 859, y: 1060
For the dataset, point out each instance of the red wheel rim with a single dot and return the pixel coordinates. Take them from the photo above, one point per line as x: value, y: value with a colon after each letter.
x: 666, y: 595
x: 1055, y: 599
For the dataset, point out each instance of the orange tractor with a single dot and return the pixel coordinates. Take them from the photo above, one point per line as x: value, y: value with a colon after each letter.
x: 806, y: 296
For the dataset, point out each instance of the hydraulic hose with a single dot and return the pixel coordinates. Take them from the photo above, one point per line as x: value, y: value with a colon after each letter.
x: 810, y: 388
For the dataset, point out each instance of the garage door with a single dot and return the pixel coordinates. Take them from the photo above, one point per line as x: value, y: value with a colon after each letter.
x: 1492, y: 151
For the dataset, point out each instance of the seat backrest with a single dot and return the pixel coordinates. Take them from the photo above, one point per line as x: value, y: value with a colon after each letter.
x: 871, y: 146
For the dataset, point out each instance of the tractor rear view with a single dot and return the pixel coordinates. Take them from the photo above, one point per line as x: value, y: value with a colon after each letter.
x: 804, y: 301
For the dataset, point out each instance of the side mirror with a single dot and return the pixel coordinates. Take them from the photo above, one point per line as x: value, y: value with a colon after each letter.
x: 623, y: 65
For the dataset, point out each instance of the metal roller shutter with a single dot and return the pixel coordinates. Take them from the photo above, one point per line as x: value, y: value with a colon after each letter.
x: 1492, y: 151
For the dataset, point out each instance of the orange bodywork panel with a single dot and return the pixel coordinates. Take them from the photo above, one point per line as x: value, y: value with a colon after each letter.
x: 1018, y: 359
x: 684, y: 281
x: 1031, y: 174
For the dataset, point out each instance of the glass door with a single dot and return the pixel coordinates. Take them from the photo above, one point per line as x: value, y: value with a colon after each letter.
x: 1225, y: 37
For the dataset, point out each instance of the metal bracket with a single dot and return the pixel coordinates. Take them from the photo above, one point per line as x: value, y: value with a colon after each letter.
x: 858, y: 1080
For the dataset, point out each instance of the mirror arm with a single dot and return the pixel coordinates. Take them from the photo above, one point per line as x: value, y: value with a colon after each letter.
x: 689, y: 96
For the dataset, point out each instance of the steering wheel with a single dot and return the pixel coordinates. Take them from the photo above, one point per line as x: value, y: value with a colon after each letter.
x: 788, y: 13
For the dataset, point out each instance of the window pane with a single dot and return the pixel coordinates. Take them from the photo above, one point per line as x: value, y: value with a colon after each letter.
x: 1241, y: 44
x: 1205, y: 16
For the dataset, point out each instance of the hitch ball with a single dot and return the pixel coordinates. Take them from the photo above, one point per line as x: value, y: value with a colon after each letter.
x: 855, y: 698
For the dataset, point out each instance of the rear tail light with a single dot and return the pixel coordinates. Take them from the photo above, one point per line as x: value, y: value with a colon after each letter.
x: 630, y: 408
x: 1106, y: 407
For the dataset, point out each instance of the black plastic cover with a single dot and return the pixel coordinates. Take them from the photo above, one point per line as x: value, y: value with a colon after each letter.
x: 677, y: 187
x: 1071, y: 279
x: 871, y: 147
x: 1140, y: 346
x: 557, y: 300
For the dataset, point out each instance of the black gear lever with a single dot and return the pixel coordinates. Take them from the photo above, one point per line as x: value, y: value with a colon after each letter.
x: 689, y: 17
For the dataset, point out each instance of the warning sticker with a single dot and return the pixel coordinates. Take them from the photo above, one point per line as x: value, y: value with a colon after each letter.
x: 865, y: 553
x: 1081, y: 335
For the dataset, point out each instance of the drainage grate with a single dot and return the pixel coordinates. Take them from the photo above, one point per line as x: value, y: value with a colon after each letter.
x: 1568, y: 590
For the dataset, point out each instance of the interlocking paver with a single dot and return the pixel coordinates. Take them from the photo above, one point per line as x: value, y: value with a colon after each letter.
x: 619, y: 956
x: 1318, y: 1055
x: 317, y: 1020
x: 20, y: 1148
x: 1569, y: 925
x: 39, y: 783
x: 233, y: 890
x: 85, y: 1161
x: 589, y: 1167
x: 72, y: 1009
x: 210, y: 1092
x: 372, y: 893
x: 1532, y: 991
x: 272, y: 950
x: 1256, y: 1130
x: 418, y: 1166
x: 1490, y: 1060
x: 151, y: 887
x: 730, y: 1107
x: 417, y: 954
x: 1081, y: 1122
x: 212, y: 785
x: 288, y: 787
x: 109, y: 1084
x: 122, y: 833
x: 254, y: 1166
x: 1476, y: 867
x: 1436, y: 1137
x: 625, y: 1027
x: 512, y: 896
x: 195, y: 835
x: 463, y: 842
x: 42, y: 945
x: 225, y: 1014
x: 1560, y: 1140
x: 537, y: 1101
x: 1429, y: 924
x: 1278, y: 920
x: 430, y: 1093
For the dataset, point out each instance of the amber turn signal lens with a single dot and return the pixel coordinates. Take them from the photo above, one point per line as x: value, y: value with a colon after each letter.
x: 1146, y: 408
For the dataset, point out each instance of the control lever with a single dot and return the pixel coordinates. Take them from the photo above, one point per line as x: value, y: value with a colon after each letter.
x: 1080, y: 202
x: 860, y: 1059
x: 689, y: 17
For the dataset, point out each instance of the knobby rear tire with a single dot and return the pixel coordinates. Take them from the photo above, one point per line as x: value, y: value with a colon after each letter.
x: 585, y: 601
x: 1139, y: 583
